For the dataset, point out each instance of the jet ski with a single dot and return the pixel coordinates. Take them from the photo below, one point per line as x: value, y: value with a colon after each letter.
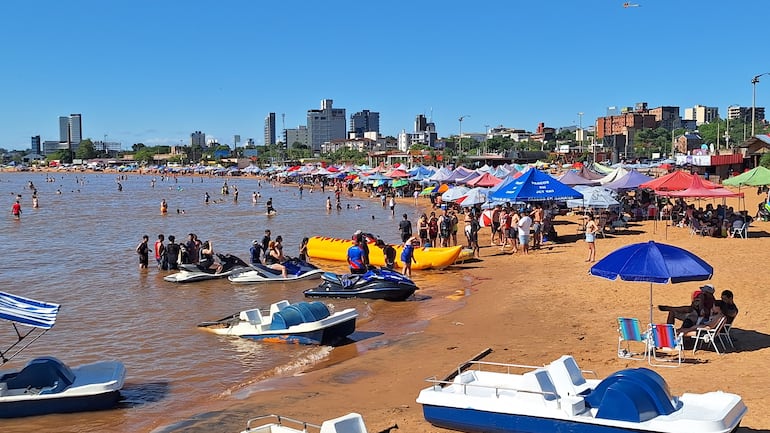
x: 189, y: 273
x: 376, y: 283
x: 296, y: 269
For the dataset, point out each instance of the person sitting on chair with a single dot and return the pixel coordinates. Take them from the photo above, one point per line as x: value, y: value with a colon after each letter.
x: 699, y: 308
x: 711, y: 323
x: 729, y: 308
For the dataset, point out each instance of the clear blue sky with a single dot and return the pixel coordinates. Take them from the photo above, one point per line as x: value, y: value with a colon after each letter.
x: 155, y: 71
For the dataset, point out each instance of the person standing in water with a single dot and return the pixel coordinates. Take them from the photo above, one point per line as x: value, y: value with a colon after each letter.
x: 163, y: 207
x: 270, y: 208
x: 144, y: 252
x: 16, y: 210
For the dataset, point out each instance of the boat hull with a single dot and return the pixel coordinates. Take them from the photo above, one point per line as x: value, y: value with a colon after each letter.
x: 426, y: 258
x: 326, y: 336
x: 45, y: 385
x: 185, y: 276
x: 476, y: 421
x: 84, y: 403
x: 394, y: 293
x: 298, y: 323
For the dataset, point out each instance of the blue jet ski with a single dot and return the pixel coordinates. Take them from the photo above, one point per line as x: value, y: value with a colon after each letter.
x: 376, y: 283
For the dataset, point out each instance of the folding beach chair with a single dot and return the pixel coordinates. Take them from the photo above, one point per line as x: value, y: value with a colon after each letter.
x: 740, y: 232
x: 710, y: 337
x: 725, y: 333
x: 665, y: 339
x: 629, y: 331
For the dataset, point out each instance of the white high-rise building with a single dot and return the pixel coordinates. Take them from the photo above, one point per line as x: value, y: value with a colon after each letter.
x: 325, y: 125
x: 701, y: 114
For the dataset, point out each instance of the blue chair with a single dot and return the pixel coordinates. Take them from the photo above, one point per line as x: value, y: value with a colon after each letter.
x: 664, y: 338
x: 630, y: 332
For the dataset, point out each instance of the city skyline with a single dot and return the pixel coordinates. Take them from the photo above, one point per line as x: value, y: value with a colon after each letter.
x: 156, y: 78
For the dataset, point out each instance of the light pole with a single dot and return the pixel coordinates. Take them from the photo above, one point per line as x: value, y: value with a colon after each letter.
x: 460, y: 137
x: 754, y: 82
x: 727, y: 132
x: 580, y: 129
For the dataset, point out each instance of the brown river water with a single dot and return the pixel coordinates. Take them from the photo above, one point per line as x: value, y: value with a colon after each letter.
x: 77, y: 249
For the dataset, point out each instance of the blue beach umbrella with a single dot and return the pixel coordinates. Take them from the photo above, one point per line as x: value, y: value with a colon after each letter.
x: 653, y: 262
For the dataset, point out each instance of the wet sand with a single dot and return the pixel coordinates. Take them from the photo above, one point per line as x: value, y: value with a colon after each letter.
x: 531, y: 310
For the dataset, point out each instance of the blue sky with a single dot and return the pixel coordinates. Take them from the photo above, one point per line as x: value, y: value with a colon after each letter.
x: 155, y: 71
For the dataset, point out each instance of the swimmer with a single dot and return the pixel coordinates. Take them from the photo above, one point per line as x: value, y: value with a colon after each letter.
x: 16, y: 210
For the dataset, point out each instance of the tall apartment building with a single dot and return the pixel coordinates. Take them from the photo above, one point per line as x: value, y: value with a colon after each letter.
x: 64, y: 129
x: 744, y: 113
x: 70, y: 131
x: 420, y: 123
x: 198, y: 138
x: 270, y: 129
x: 296, y: 135
x: 364, y: 121
x: 667, y: 117
x: 424, y: 133
x: 324, y: 125
x: 35, y: 144
x: 701, y: 114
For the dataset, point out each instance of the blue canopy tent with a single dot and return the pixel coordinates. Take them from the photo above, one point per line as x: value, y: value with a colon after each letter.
x: 532, y: 185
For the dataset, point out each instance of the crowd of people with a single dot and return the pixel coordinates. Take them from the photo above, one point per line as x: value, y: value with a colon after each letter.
x: 169, y: 256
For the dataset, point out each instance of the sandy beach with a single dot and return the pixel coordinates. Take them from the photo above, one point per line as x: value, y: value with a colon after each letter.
x: 531, y: 310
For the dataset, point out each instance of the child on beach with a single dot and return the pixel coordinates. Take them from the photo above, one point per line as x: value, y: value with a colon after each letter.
x: 407, y: 256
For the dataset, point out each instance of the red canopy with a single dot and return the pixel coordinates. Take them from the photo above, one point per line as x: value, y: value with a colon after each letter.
x: 486, y: 180
x: 675, y: 181
x: 398, y: 173
x: 698, y: 189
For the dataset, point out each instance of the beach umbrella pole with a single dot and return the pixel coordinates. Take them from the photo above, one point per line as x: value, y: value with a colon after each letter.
x: 651, y: 322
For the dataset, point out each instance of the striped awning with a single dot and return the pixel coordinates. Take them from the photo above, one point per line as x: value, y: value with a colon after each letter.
x: 28, y: 311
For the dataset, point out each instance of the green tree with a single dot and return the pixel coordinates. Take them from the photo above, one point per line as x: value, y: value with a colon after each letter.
x: 64, y: 156
x: 298, y: 150
x: 85, y: 150
x: 136, y: 146
x: 145, y: 155
x: 648, y: 141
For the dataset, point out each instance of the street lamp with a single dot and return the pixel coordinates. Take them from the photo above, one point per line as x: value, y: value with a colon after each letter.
x: 580, y: 128
x: 727, y: 132
x: 460, y: 138
x: 754, y: 82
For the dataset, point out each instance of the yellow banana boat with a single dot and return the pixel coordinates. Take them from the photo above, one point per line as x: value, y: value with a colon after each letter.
x: 426, y: 258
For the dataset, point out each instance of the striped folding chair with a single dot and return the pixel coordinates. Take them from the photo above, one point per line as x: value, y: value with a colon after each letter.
x: 630, y: 332
x: 664, y: 339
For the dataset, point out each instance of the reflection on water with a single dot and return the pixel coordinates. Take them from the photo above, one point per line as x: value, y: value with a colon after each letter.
x: 77, y: 249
